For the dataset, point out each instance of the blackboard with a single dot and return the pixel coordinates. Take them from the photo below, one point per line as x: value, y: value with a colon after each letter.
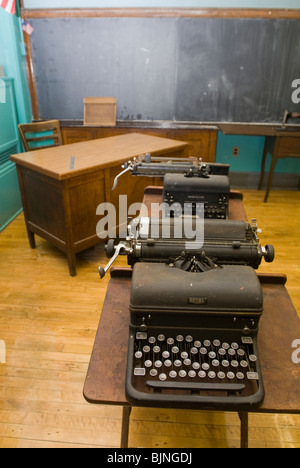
x: 176, y: 69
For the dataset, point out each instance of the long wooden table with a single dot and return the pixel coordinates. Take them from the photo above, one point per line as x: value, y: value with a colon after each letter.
x: 61, y: 187
x: 279, y: 327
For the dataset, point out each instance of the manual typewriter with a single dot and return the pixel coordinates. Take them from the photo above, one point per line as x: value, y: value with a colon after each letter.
x: 224, y: 241
x: 194, y: 316
x: 187, y: 182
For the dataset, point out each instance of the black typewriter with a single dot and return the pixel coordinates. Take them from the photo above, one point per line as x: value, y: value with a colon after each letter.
x: 185, y: 192
x: 193, y: 335
x: 187, y: 183
x: 159, y: 240
x: 194, y: 315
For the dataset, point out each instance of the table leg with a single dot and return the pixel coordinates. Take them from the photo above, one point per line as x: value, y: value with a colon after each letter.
x: 244, y: 429
x: 125, y: 426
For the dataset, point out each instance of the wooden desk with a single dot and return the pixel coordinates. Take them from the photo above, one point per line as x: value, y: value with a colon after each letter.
x: 279, y: 327
x: 60, y: 202
x: 284, y: 144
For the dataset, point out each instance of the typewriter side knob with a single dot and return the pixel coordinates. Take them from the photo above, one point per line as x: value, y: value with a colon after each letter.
x: 269, y: 253
x: 110, y: 248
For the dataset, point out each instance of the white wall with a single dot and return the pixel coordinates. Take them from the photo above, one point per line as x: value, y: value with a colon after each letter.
x: 295, y: 4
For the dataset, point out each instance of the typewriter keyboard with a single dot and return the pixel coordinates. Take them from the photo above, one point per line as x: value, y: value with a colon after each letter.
x: 184, y: 362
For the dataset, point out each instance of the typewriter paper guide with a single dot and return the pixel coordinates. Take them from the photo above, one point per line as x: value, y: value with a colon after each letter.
x: 157, y: 287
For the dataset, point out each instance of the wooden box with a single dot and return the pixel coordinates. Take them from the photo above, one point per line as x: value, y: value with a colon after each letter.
x: 100, y: 111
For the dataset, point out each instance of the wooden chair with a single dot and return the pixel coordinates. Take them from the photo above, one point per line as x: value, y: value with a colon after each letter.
x: 40, y: 135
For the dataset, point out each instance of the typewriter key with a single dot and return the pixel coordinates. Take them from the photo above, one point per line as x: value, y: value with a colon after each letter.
x: 244, y: 363
x: 252, y: 376
x: 231, y: 352
x: 161, y: 338
x: 187, y: 362
x: 230, y: 375
x: 173, y: 374
x: 240, y: 375
x: 189, y: 338
x: 206, y: 343
x: 179, y: 338
x: 170, y: 341
x: 234, y: 346
x: 194, y: 350
x: 162, y: 377
x: 221, y: 375
x: 197, y: 344
x: 202, y: 374
x: 205, y: 366
x: 148, y: 363
x: 153, y: 372
x: 139, y: 371
x: 216, y: 343
x: 203, y: 351
x: 152, y: 339
x: 177, y: 363
x: 215, y: 363
x: 156, y: 349
x: 138, y: 354
x: 175, y: 350
x: 234, y: 363
x: 252, y: 358
x: 146, y: 349
x: 196, y: 365
x: 158, y: 363
x: 182, y: 373
x: 225, y: 363
x: 165, y: 354
x: 141, y: 335
x: 192, y: 374
x: 168, y: 363
x: 184, y: 355
x: 211, y: 374
x: 240, y: 352
x: 212, y: 354
x: 222, y: 352
x: 225, y: 345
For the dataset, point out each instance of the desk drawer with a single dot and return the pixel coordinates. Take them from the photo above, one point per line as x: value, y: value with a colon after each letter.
x: 289, y: 146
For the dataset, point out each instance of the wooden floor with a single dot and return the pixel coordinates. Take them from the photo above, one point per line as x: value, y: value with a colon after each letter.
x: 48, y: 322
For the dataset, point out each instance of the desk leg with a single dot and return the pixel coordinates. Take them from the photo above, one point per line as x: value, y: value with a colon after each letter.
x: 244, y: 429
x: 125, y: 426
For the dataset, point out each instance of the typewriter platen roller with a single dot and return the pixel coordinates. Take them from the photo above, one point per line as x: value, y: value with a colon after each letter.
x: 224, y: 241
x: 192, y: 337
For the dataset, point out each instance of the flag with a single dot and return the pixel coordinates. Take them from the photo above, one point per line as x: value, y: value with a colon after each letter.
x: 27, y: 27
x: 9, y: 6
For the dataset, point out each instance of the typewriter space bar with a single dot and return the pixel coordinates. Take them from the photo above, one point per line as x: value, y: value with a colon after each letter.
x: 195, y: 386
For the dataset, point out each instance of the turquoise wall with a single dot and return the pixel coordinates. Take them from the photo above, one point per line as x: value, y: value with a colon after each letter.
x: 12, y: 56
x: 14, y: 108
x: 250, y: 154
